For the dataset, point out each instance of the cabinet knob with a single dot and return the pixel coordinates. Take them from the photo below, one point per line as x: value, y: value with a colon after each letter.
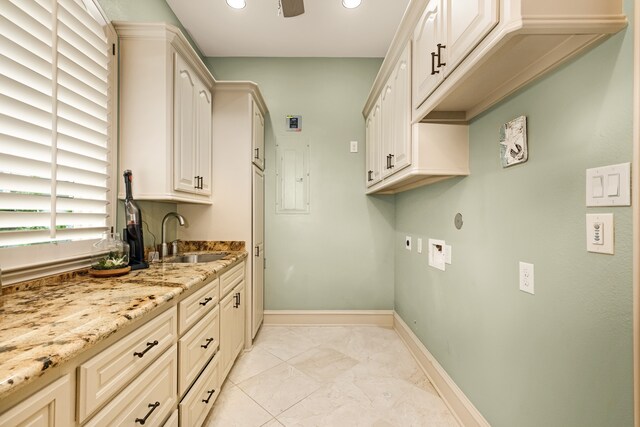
x: 153, y: 407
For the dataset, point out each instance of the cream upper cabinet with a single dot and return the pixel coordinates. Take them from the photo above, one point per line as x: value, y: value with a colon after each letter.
x: 165, y: 114
x: 427, y: 34
x: 257, y: 137
x: 401, y: 134
x: 192, y: 131
x: 467, y: 23
x: 444, y: 35
x: 389, y: 126
x: 374, y: 149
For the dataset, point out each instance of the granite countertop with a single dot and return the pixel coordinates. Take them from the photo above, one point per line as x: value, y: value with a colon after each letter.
x: 47, y: 322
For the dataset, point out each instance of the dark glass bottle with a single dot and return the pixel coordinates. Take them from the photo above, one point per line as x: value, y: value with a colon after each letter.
x: 133, y: 231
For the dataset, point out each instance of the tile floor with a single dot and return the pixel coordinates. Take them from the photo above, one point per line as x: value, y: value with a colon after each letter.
x: 328, y: 376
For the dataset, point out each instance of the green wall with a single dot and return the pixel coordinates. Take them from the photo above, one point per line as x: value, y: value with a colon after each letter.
x: 339, y: 256
x: 561, y: 357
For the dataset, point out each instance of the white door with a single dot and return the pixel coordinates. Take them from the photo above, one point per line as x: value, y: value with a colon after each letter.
x: 227, y: 333
x: 205, y: 142
x: 257, y: 136
x: 184, y: 146
x: 402, y: 111
x: 257, y: 269
x: 372, y: 128
x: 467, y: 24
x: 386, y: 127
x: 427, y: 75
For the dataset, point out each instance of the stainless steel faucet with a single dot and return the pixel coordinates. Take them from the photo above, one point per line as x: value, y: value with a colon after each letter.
x: 165, y: 248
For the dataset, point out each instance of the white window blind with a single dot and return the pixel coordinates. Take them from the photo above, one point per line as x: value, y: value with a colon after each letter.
x: 54, y: 129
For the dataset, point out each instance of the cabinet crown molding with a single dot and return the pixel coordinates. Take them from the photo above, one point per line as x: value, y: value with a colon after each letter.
x: 243, y: 86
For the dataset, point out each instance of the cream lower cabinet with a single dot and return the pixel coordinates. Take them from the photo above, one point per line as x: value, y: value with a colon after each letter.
x: 239, y: 113
x: 167, y: 371
x: 165, y: 114
x: 50, y: 407
x: 148, y: 400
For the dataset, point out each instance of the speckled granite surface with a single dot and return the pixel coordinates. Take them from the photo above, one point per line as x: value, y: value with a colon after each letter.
x: 46, y: 322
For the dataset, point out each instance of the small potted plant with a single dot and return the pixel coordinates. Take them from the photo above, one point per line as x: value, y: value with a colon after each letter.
x: 111, y: 257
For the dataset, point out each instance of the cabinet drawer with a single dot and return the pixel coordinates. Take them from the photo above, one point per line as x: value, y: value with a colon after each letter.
x: 52, y: 406
x: 196, y: 347
x: 150, y: 397
x: 197, y: 404
x: 103, y: 375
x: 192, y: 308
x: 231, y: 278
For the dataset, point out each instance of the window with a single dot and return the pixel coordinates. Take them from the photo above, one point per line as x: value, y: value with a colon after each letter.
x: 56, y: 127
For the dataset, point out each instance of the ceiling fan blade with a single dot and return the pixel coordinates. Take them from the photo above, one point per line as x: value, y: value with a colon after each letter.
x: 292, y: 8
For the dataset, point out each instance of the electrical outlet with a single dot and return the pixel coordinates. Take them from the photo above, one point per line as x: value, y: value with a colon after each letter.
x: 354, y: 146
x: 407, y: 243
x: 526, y: 277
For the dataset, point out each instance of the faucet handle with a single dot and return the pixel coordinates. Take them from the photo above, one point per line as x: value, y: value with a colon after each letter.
x: 174, y: 247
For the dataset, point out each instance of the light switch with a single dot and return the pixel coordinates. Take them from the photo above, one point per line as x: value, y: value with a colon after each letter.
x: 613, y: 184
x: 353, y: 146
x: 419, y: 245
x: 609, y: 185
x: 600, y: 233
x: 447, y: 254
x: 597, y: 189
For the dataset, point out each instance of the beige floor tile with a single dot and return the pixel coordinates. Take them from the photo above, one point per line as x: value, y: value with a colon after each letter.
x: 252, y: 363
x: 279, y: 388
x: 323, y: 363
x: 235, y: 409
x: 273, y: 423
x: 283, y: 342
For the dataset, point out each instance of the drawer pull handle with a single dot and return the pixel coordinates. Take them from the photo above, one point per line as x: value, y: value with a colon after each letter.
x: 206, y: 301
x: 209, y: 341
x: 209, y: 397
x: 153, y: 407
x: 237, y: 297
x: 150, y: 345
x: 257, y: 156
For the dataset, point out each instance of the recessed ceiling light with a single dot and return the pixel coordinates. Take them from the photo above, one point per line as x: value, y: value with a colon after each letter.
x: 351, y: 4
x: 237, y: 4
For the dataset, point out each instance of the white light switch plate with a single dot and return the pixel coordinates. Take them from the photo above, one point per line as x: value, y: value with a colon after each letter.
x: 353, y: 146
x: 419, y: 245
x: 526, y: 278
x: 600, y: 233
x: 447, y: 254
x: 609, y: 185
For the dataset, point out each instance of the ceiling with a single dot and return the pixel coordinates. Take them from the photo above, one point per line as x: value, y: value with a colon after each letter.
x: 326, y: 29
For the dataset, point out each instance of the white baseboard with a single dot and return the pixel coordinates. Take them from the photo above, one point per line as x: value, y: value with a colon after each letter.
x: 329, y: 317
x: 458, y: 403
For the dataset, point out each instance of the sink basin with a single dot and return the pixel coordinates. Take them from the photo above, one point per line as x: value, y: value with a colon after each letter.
x: 194, y: 258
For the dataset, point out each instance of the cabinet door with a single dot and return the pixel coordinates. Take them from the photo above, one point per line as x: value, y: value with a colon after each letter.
x: 205, y: 142
x: 227, y: 328
x: 386, y: 127
x: 374, y: 150
x: 257, y: 136
x: 184, y: 146
x: 52, y: 407
x: 239, y: 320
x: 428, y: 33
x: 257, y: 308
x: 467, y: 24
x: 402, y: 111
